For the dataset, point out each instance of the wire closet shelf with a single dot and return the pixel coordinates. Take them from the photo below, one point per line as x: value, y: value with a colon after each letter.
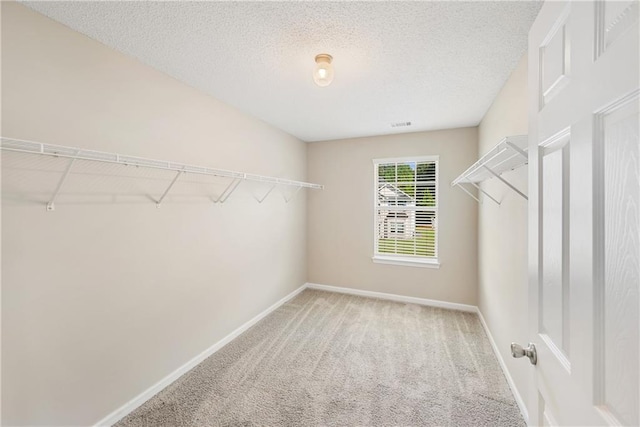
x: 74, y: 154
x: 509, y: 154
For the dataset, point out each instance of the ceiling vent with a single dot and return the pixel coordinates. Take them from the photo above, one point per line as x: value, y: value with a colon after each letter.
x: 400, y: 124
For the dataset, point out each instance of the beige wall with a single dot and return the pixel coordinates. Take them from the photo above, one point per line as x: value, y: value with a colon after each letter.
x: 502, y: 232
x: 340, y: 218
x: 102, y: 300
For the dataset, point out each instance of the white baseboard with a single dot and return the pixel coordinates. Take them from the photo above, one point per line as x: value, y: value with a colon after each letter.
x: 394, y: 297
x: 503, y: 365
x: 134, y: 403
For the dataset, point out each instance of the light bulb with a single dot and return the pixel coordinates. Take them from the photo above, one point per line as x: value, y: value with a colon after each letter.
x: 323, y: 71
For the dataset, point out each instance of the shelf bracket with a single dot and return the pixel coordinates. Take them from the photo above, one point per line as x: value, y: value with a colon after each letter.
x: 295, y: 193
x: 225, y: 190
x: 168, y: 189
x: 468, y: 192
x: 485, y: 193
x: 517, y: 149
x: 266, y: 194
x: 228, y: 191
x: 51, y: 205
x: 508, y: 184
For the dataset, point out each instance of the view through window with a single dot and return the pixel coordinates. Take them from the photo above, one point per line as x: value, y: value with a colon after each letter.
x: 406, y: 211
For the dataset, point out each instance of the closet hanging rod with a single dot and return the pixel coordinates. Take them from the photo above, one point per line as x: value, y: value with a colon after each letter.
x: 32, y: 147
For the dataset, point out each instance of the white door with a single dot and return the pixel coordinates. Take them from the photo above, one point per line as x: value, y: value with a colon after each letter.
x: 584, y: 218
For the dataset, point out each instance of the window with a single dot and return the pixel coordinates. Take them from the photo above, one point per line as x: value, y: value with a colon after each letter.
x: 406, y: 211
x: 396, y: 227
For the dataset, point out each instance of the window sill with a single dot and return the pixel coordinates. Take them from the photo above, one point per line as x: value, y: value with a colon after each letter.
x: 406, y: 261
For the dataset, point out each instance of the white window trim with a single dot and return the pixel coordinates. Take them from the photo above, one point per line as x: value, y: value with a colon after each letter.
x: 405, y: 260
x: 406, y: 159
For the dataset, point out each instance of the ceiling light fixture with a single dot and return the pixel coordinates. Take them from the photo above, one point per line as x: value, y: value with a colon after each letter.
x: 323, y: 71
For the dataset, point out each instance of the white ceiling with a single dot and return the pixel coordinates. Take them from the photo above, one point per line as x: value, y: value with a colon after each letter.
x: 436, y: 64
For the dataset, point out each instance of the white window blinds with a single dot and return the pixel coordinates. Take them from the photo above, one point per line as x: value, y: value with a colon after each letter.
x: 406, y: 208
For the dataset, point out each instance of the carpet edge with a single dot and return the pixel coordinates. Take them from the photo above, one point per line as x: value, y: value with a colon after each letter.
x: 147, y: 394
x: 395, y: 297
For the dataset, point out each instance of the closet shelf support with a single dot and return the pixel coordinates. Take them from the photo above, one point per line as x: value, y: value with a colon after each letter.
x: 517, y: 149
x: 51, y: 205
x: 266, y: 194
x: 225, y: 190
x: 469, y: 193
x: 229, y: 190
x: 295, y: 193
x: 485, y: 193
x: 507, y: 183
x: 159, y: 202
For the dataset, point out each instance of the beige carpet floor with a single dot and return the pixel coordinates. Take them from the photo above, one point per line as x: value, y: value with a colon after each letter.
x: 328, y: 359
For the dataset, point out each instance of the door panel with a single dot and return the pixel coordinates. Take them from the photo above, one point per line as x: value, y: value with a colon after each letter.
x: 584, y: 204
x: 617, y: 314
x: 613, y: 18
x: 554, y: 289
x: 554, y: 53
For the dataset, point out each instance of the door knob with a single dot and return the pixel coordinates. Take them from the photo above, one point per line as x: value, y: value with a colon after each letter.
x: 530, y: 352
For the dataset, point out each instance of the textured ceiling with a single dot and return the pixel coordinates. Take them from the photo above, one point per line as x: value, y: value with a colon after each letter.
x: 436, y: 64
